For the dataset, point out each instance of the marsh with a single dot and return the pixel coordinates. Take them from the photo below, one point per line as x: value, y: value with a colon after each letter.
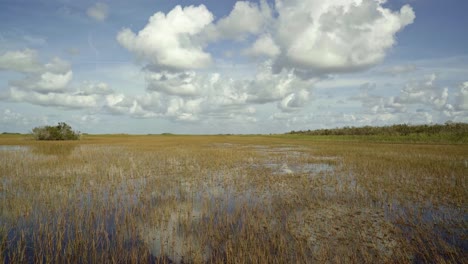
x: 232, y: 199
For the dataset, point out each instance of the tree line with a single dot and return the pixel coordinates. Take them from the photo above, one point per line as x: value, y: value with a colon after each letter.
x: 392, y: 130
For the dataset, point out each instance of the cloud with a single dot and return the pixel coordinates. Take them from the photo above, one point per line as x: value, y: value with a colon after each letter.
x: 35, y: 41
x: 301, y: 43
x: 245, y: 18
x: 193, y: 96
x: 377, y: 104
x: 400, y: 69
x: 181, y: 83
x: 263, y: 46
x: 168, y: 41
x: 219, y: 91
x: 73, y: 51
x: 52, y: 77
x: 269, y: 87
x: 187, y: 96
x: 294, y: 101
x: 49, y: 84
x: 183, y: 109
x: 90, y: 88
x: 53, y: 99
x: 99, y: 11
x: 418, y: 101
x: 462, y: 97
x: 20, y: 61
x: 120, y: 104
x: 323, y: 37
x: 424, y: 92
x: 11, y: 117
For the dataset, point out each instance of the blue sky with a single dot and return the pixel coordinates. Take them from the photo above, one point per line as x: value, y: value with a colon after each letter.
x: 199, y: 67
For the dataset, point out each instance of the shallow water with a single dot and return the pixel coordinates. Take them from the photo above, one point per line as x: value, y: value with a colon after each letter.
x: 450, y: 224
x: 308, y: 168
x: 13, y: 148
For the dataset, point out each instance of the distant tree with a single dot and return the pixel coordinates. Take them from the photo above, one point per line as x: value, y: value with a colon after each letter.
x: 458, y: 131
x: 60, y: 132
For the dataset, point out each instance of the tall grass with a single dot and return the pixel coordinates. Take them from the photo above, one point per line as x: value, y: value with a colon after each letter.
x: 230, y: 199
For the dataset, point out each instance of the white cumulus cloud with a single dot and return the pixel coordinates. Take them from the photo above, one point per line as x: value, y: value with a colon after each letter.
x: 462, y: 98
x: 424, y: 92
x: 50, y: 84
x: 294, y: 101
x: 181, y: 83
x: 52, y: 77
x: 322, y: 37
x: 245, y: 18
x: 53, y: 99
x: 20, y: 61
x: 168, y: 41
x: 90, y: 88
x: 263, y: 46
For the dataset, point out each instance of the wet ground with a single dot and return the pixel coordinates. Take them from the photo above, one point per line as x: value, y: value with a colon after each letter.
x: 341, y: 216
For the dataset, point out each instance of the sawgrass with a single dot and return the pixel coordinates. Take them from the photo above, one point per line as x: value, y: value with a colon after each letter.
x: 231, y: 199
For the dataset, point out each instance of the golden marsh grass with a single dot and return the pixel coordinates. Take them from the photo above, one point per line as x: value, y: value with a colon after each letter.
x: 231, y: 199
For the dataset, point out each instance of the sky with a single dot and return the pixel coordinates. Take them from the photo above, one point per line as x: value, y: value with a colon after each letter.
x: 243, y: 67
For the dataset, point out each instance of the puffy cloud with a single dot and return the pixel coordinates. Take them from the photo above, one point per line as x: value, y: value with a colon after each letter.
x: 462, y: 98
x: 53, y: 99
x: 263, y: 46
x: 9, y: 116
x: 418, y: 101
x: 377, y: 104
x: 294, y: 101
x: 52, y: 77
x: 184, y: 110
x: 265, y: 87
x: 303, y: 39
x: 245, y: 18
x: 20, y: 61
x: 168, y: 41
x: 89, y: 88
x: 192, y: 96
x: 49, y: 85
x: 98, y: 11
x: 322, y: 37
x: 288, y: 90
x: 181, y: 83
x: 13, y: 121
x: 52, y: 82
x: 426, y: 93
x: 120, y: 104
x: 187, y: 96
x: 269, y: 87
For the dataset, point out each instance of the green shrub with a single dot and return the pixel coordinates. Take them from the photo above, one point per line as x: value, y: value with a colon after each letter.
x: 60, y: 132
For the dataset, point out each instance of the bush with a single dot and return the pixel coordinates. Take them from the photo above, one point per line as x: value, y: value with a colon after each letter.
x: 60, y: 132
